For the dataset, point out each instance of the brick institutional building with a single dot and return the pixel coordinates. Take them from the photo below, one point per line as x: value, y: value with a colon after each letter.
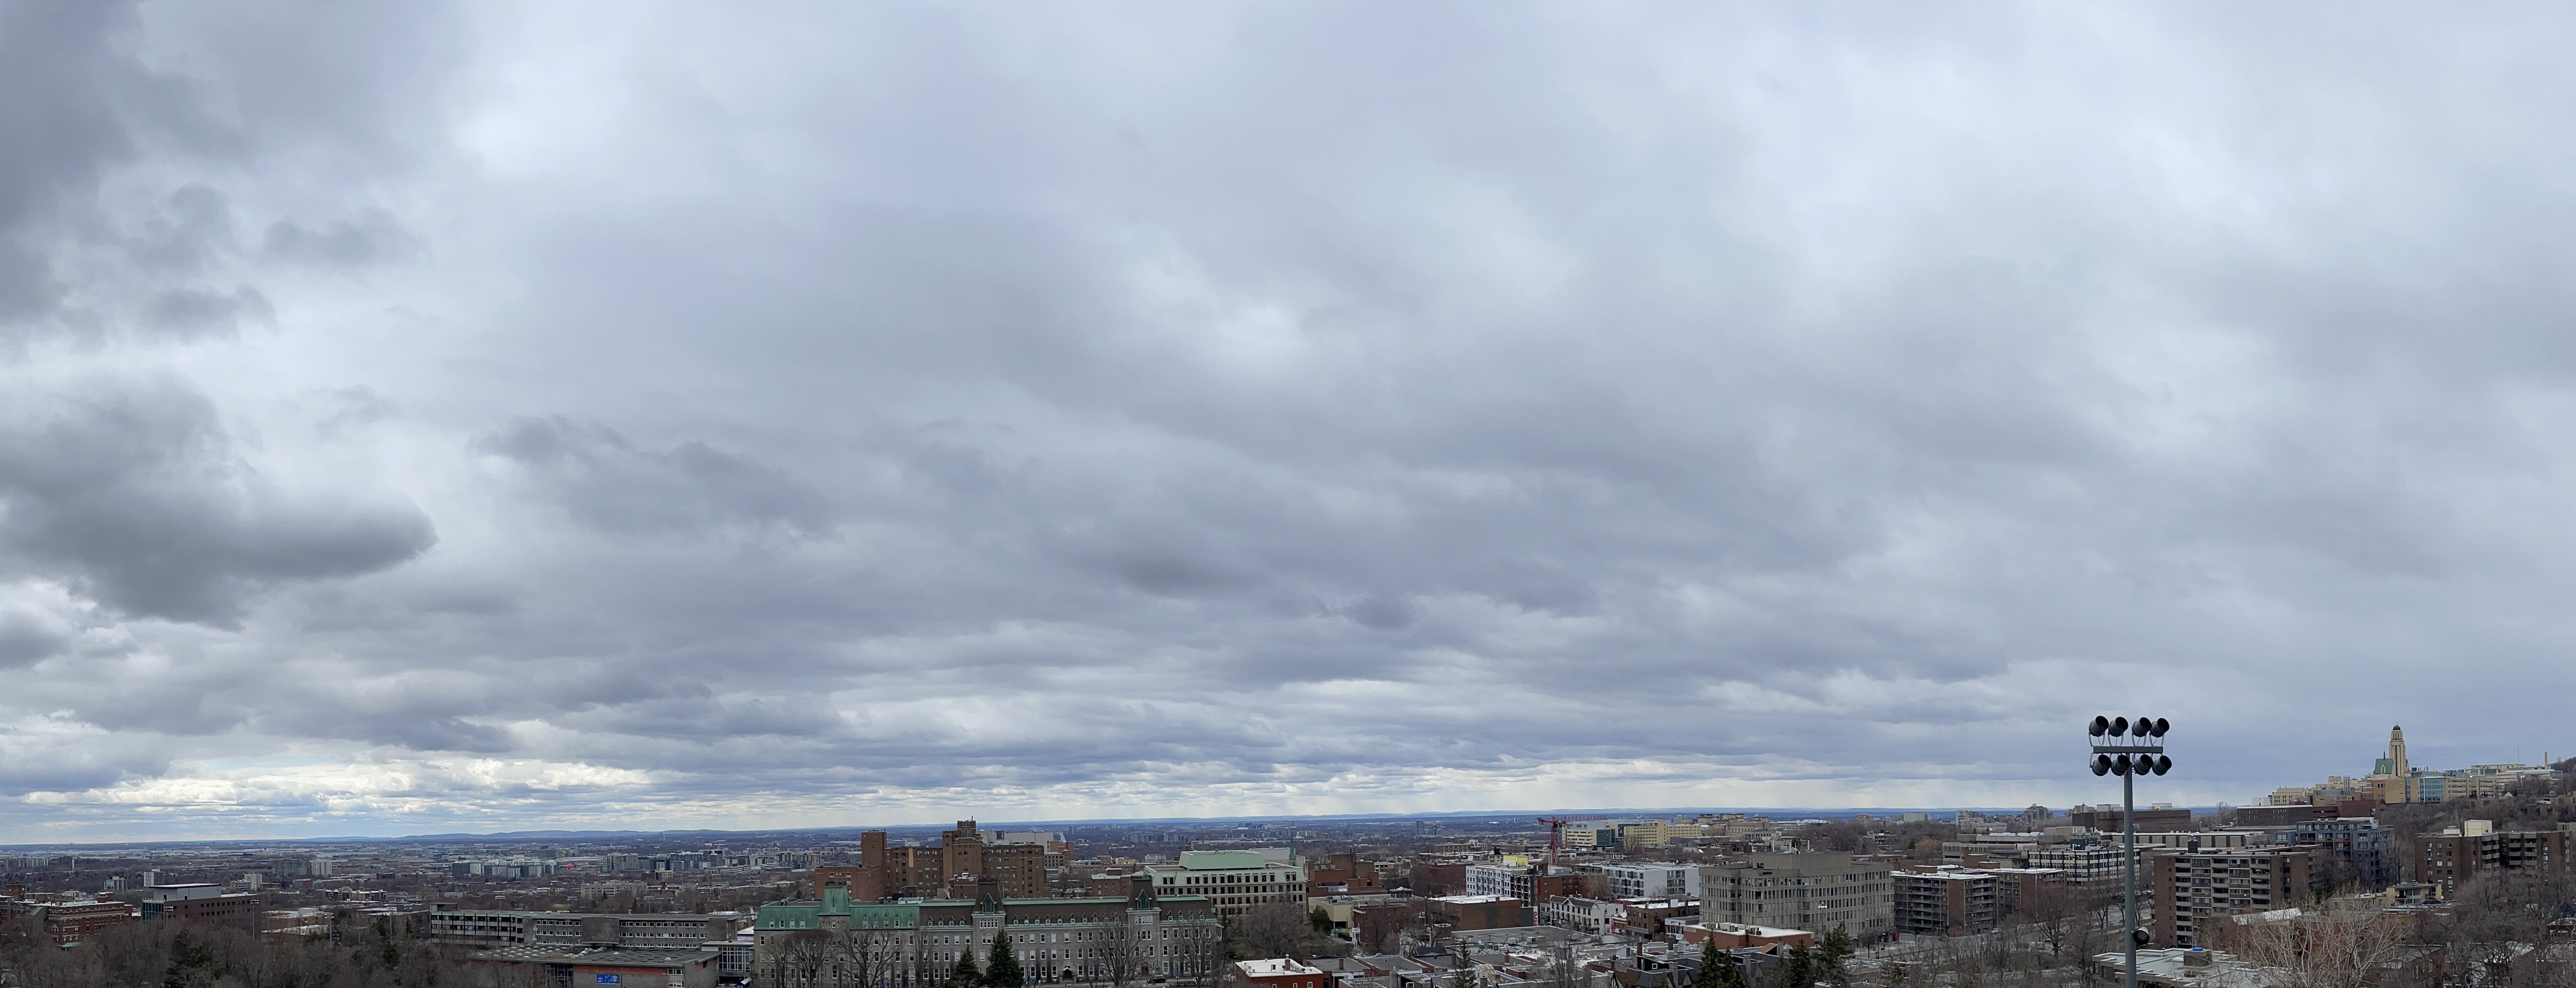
x: 929, y: 872
x: 69, y: 922
x: 833, y: 940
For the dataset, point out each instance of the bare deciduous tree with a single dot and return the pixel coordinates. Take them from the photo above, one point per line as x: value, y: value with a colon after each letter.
x: 2344, y: 944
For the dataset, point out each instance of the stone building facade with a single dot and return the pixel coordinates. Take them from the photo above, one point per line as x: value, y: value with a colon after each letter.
x: 834, y: 940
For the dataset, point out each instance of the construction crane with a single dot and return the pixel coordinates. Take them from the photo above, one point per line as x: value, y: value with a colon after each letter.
x: 1556, y: 828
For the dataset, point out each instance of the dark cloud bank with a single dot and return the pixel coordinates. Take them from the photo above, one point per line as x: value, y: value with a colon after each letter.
x: 496, y: 416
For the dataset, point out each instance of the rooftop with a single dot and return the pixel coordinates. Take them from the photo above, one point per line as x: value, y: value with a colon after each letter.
x: 2190, y: 965
x: 602, y: 956
x: 1275, y: 967
x: 1749, y: 929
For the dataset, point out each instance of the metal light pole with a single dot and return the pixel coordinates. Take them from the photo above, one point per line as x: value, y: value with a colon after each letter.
x: 2130, y: 749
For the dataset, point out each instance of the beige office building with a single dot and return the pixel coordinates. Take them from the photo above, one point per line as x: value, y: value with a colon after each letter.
x: 1804, y: 891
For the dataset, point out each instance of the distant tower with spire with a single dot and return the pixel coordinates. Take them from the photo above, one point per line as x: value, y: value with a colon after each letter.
x: 2397, y: 751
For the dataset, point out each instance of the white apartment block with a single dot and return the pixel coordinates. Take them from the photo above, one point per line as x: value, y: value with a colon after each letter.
x: 1649, y: 880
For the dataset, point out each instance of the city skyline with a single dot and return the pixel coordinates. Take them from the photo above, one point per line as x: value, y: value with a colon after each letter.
x: 475, y: 416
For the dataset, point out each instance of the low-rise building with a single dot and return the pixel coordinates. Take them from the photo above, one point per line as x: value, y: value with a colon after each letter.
x: 1734, y: 936
x: 2108, y: 819
x: 602, y: 967
x: 1351, y: 912
x: 1575, y: 912
x: 522, y: 928
x: 1465, y: 913
x: 70, y: 922
x: 1281, y: 973
x: 1235, y: 881
x: 1646, y: 879
x: 204, y: 904
x: 1805, y: 891
x: 1653, y: 917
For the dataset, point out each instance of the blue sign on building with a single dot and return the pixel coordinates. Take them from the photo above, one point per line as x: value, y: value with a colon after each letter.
x: 605, y: 979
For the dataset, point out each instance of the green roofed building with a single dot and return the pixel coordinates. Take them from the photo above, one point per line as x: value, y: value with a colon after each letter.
x: 912, y: 943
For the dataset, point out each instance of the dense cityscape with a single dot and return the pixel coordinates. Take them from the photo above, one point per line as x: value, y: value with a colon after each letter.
x: 2402, y: 877
x: 1286, y: 494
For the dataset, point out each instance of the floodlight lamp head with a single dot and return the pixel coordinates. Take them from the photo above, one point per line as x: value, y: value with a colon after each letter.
x: 2141, y: 725
x: 2101, y: 725
x: 2120, y: 765
x: 2163, y: 764
x: 2158, y: 730
x: 2101, y: 764
x: 2119, y: 725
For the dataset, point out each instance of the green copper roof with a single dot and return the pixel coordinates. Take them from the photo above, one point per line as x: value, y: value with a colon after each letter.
x: 788, y: 916
x: 809, y: 914
x: 885, y: 916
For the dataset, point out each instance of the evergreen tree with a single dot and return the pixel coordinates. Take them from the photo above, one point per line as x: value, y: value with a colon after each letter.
x: 1799, y: 970
x: 1709, y: 959
x: 1730, y: 972
x: 1832, y: 955
x: 1002, y: 969
x: 191, y: 964
x: 964, y: 974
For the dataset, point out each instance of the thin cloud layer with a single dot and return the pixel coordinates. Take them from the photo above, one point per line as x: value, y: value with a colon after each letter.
x: 493, y: 416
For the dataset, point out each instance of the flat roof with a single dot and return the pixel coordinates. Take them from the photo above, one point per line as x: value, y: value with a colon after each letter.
x: 1274, y: 967
x: 602, y: 956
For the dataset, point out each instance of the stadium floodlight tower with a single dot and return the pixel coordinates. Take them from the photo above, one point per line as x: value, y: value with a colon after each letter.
x: 2129, y: 748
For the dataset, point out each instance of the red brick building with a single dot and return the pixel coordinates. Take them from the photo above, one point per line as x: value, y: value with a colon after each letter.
x: 884, y: 872
x: 1730, y: 936
x: 205, y: 905
x: 70, y: 922
x: 1476, y: 912
x: 1342, y: 874
x: 2458, y: 854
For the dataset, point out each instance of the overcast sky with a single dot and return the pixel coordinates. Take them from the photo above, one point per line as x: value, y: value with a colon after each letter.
x: 423, y: 417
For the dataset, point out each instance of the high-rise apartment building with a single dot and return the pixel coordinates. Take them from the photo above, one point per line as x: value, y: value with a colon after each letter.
x: 2357, y: 843
x: 2190, y: 888
x: 1815, y: 892
x: 2460, y: 853
x: 1947, y: 902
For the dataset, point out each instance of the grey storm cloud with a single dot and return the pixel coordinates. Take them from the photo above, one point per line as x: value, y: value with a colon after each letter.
x: 135, y: 494
x: 809, y: 414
